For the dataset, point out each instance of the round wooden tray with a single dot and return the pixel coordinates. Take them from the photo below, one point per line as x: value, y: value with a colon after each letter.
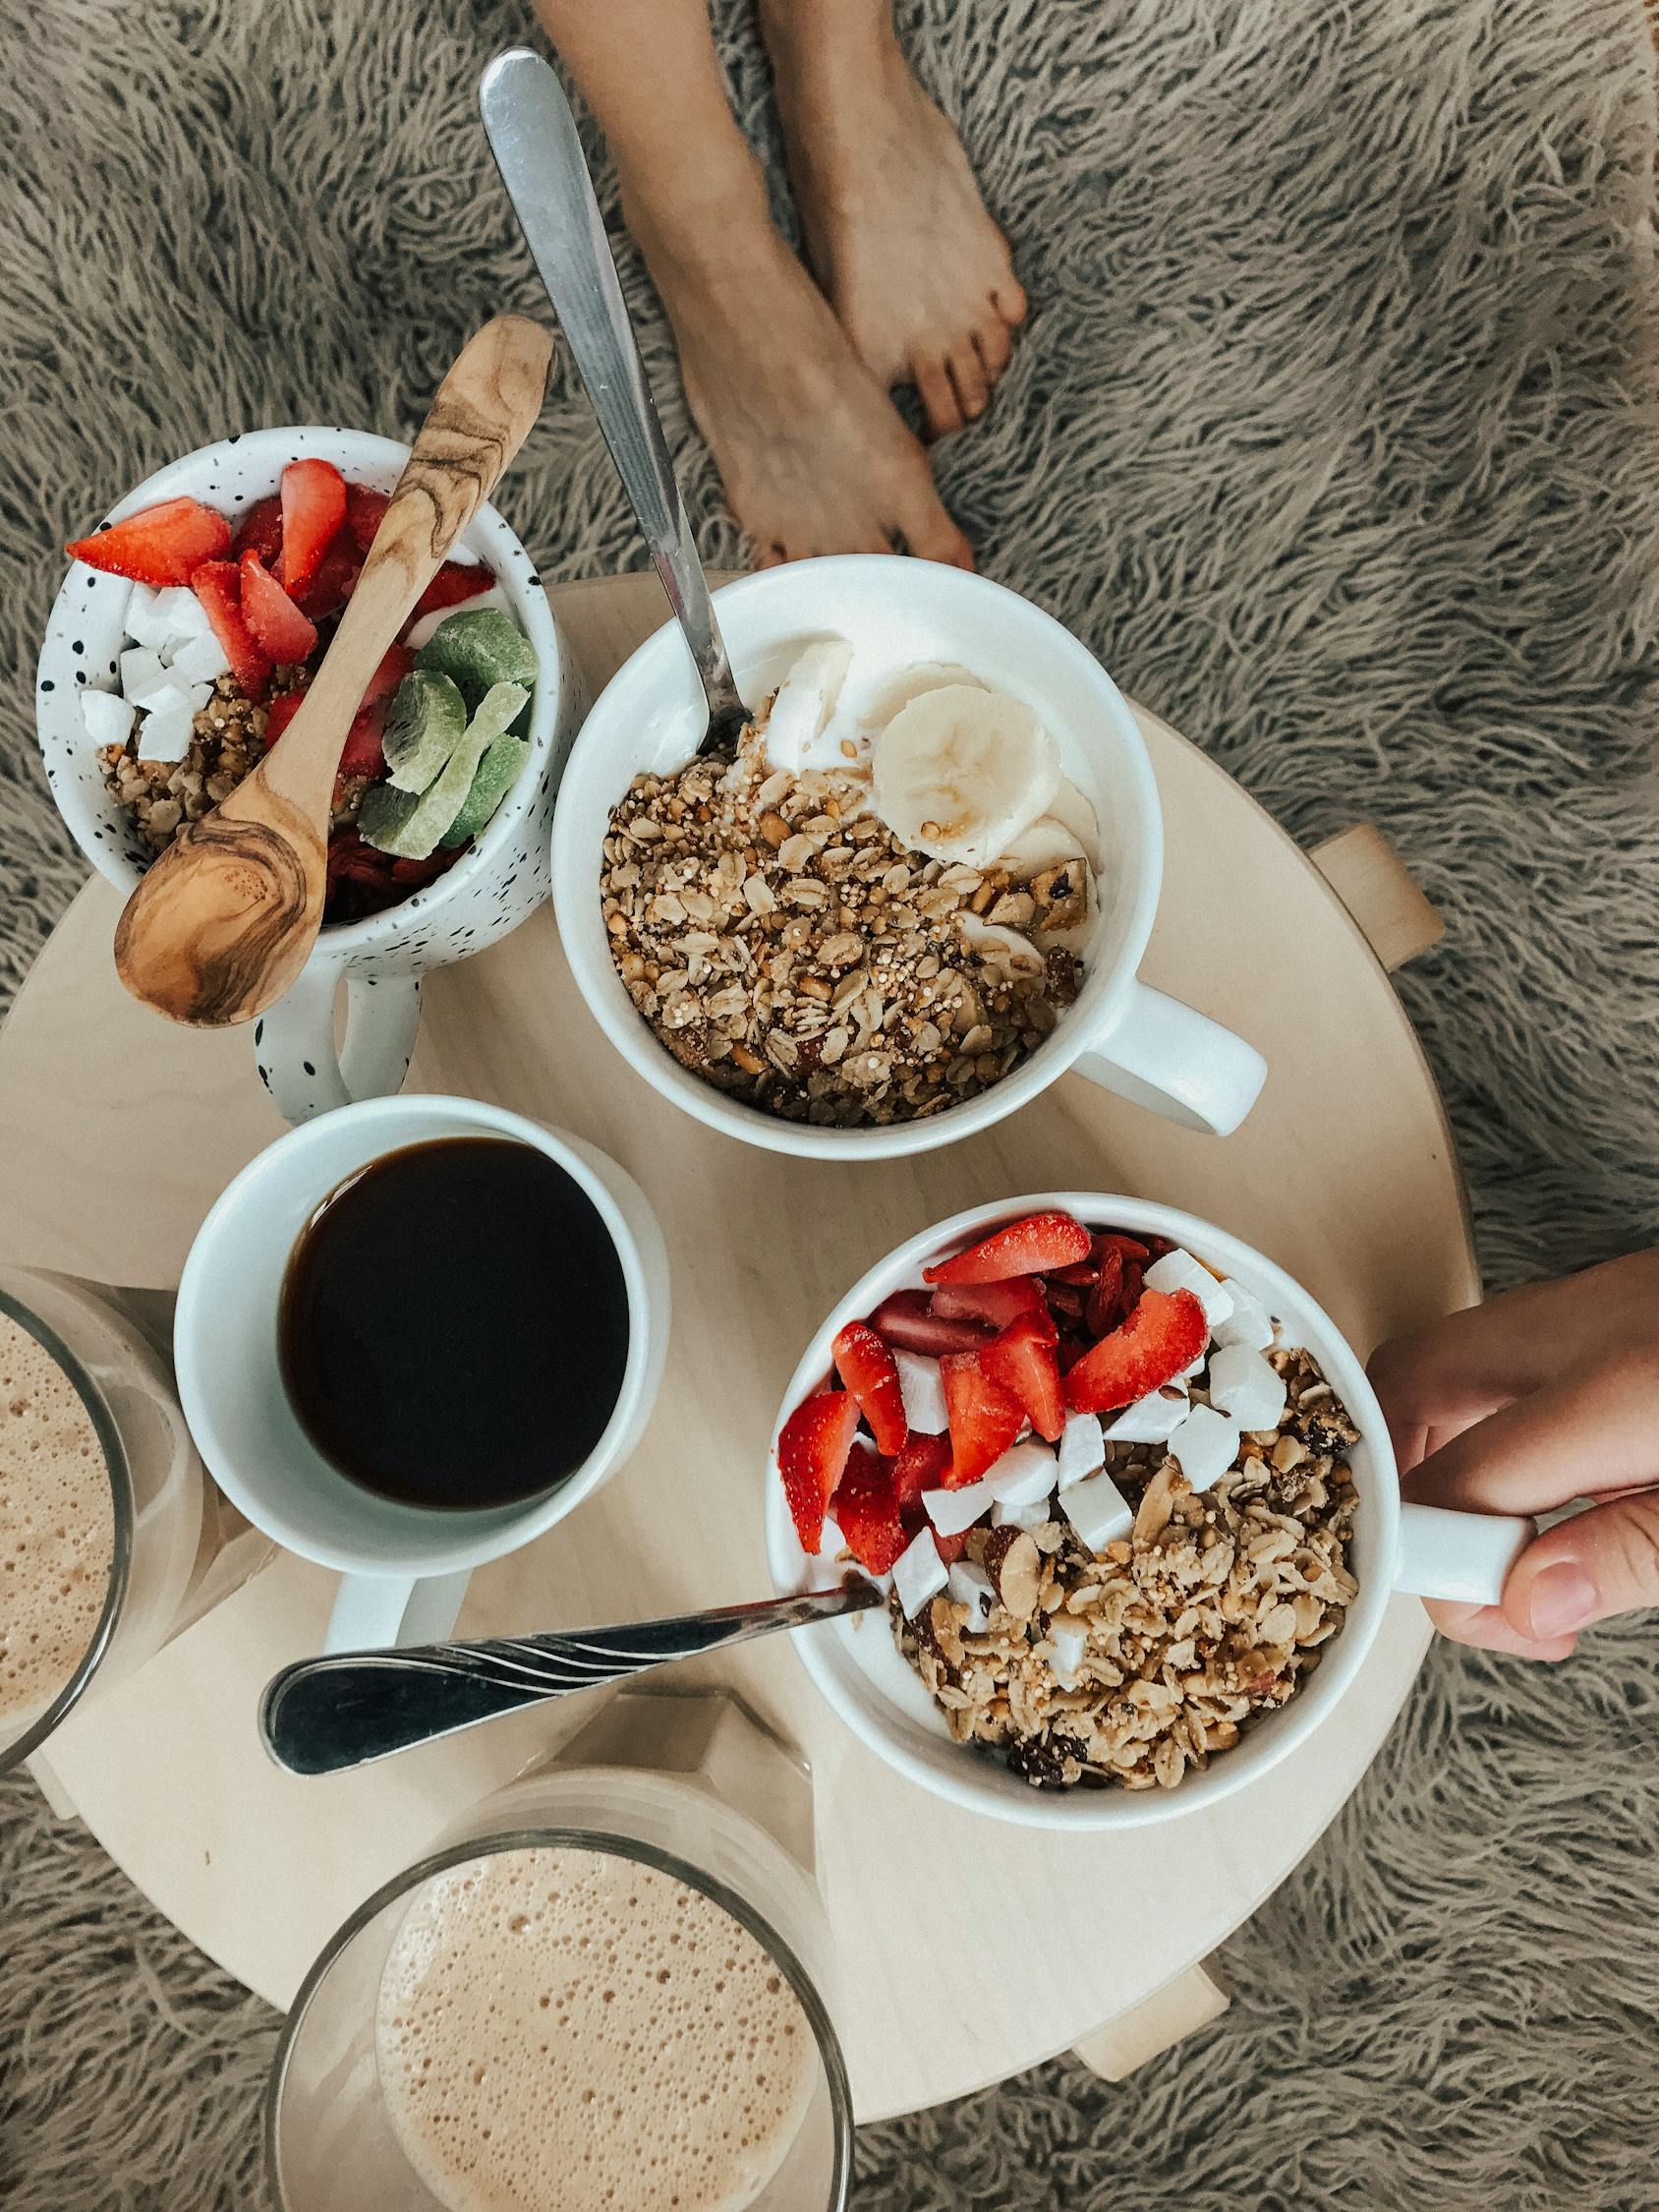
x: 970, y: 1950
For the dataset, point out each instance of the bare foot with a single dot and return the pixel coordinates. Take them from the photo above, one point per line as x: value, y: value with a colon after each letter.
x: 810, y: 448
x: 916, y: 271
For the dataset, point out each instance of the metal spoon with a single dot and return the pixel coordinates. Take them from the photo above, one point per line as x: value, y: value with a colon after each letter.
x: 321, y: 1715
x: 532, y: 134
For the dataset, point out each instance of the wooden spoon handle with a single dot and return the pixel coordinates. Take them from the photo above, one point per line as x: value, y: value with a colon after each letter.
x: 484, y: 411
x: 224, y: 921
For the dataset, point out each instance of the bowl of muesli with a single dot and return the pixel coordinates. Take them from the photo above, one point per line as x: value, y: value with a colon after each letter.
x: 917, y: 897
x: 1132, y: 1499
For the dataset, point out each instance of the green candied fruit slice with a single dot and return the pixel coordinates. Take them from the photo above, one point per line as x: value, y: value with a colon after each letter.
x: 499, y: 710
x: 425, y: 722
x: 409, y: 824
x: 479, y: 649
x: 498, y: 772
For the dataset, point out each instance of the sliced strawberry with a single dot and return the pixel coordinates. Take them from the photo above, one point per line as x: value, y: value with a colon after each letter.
x: 160, y: 545
x: 1106, y: 1307
x: 995, y: 1302
x: 1024, y: 1247
x: 1166, y: 1332
x: 396, y: 664
x: 1022, y: 1362
x: 281, y: 712
x: 920, y: 1465
x: 984, y: 1419
x: 362, y: 753
x: 314, y: 507
x: 366, y: 510
x: 865, y: 1508
x: 950, y: 1548
x: 219, y: 586
x: 812, y: 1453
x: 455, y: 581
x: 334, y: 582
x: 260, y: 531
x: 866, y: 1365
x: 905, y: 1319
x: 278, y: 626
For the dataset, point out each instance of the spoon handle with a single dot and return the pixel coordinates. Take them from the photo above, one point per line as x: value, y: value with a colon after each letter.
x: 321, y: 1715
x: 533, y: 136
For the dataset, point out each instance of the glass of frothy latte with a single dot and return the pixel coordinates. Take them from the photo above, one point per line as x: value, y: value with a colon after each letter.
x: 602, y: 1993
x: 112, y: 1539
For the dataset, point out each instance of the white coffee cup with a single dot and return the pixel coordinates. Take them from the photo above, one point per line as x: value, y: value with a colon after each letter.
x: 405, y: 1566
x: 493, y: 888
x: 1396, y: 1548
x: 1120, y: 1034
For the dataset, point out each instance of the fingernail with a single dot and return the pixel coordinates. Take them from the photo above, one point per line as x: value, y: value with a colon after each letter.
x: 1562, y: 1598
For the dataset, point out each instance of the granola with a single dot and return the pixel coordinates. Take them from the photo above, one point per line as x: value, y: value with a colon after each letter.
x: 785, y: 947
x: 1128, y: 1668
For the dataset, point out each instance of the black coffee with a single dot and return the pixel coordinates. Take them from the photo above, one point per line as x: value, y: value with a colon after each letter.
x: 454, y: 1324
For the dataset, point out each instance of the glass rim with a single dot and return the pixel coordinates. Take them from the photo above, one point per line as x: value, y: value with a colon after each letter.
x: 21, y: 1747
x: 608, y: 1844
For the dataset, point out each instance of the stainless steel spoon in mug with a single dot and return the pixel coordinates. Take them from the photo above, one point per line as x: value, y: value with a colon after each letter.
x: 321, y: 1715
x: 532, y: 134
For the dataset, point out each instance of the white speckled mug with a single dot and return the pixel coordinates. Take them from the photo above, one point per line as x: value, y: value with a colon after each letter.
x: 489, y: 890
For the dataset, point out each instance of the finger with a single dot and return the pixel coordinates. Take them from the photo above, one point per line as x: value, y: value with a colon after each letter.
x: 1587, y: 1569
x: 968, y: 377
x: 1488, y: 1629
x: 1599, y: 1430
x: 937, y: 395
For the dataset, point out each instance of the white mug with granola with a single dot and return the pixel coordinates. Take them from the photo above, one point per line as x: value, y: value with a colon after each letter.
x: 179, y: 648
x: 1131, y: 1498
x: 919, y: 896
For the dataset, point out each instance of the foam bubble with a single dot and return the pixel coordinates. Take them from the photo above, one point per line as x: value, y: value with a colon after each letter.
x: 638, y: 2099
x: 57, y: 1526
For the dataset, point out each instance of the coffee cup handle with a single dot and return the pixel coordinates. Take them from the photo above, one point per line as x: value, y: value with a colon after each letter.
x: 373, y: 1612
x: 1463, y: 1557
x: 293, y: 1040
x: 1159, y: 1052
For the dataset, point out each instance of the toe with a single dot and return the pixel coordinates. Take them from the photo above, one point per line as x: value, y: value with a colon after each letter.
x: 920, y: 519
x: 771, y: 555
x: 938, y: 395
x: 994, y: 342
x: 967, y: 375
x: 1009, y: 300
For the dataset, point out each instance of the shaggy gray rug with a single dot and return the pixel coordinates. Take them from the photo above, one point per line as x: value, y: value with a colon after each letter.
x: 1334, y: 432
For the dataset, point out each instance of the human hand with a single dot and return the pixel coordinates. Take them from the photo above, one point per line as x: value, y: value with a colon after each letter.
x: 1543, y: 1396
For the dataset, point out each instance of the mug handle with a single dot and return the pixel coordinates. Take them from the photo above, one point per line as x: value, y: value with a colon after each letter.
x: 1464, y: 1557
x: 1157, y: 1052
x: 373, y: 1612
x: 293, y: 1040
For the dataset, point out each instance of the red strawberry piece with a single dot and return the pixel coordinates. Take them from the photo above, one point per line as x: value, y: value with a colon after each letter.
x: 364, y: 512
x: 1166, y: 1332
x: 1022, y: 1362
x: 314, y: 507
x: 160, y: 545
x: 455, y: 581
x: 278, y: 626
x: 219, y: 586
x: 1105, y: 1307
x: 281, y: 712
x: 906, y: 1321
x: 362, y: 753
x: 866, y: 1365
x: 1024, y: 1247
x: 984, y: 1419
x: 950, y: 1548
x: 334, y: 582
x: 260, y: 531
x: 920, y: 1465
x: 812, y: 1453
x: 865, y: 1508
x: 995, y: 1302
x: 394, y: 667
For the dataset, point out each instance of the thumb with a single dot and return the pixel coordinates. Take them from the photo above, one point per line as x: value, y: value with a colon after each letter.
x: 1602, y: 1562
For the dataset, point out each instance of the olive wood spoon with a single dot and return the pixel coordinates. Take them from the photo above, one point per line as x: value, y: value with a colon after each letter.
x: 224, y: 921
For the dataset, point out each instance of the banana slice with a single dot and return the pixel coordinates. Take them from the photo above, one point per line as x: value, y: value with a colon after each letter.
x: 961, y: 772
x: 910, y: 683
x: 797, y: 729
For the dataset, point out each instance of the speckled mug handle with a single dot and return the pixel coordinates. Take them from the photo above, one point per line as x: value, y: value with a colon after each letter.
x: 294, y: 1045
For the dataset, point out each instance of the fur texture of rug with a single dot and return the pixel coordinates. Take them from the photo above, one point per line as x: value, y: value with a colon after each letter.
x: 1334, y: 434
